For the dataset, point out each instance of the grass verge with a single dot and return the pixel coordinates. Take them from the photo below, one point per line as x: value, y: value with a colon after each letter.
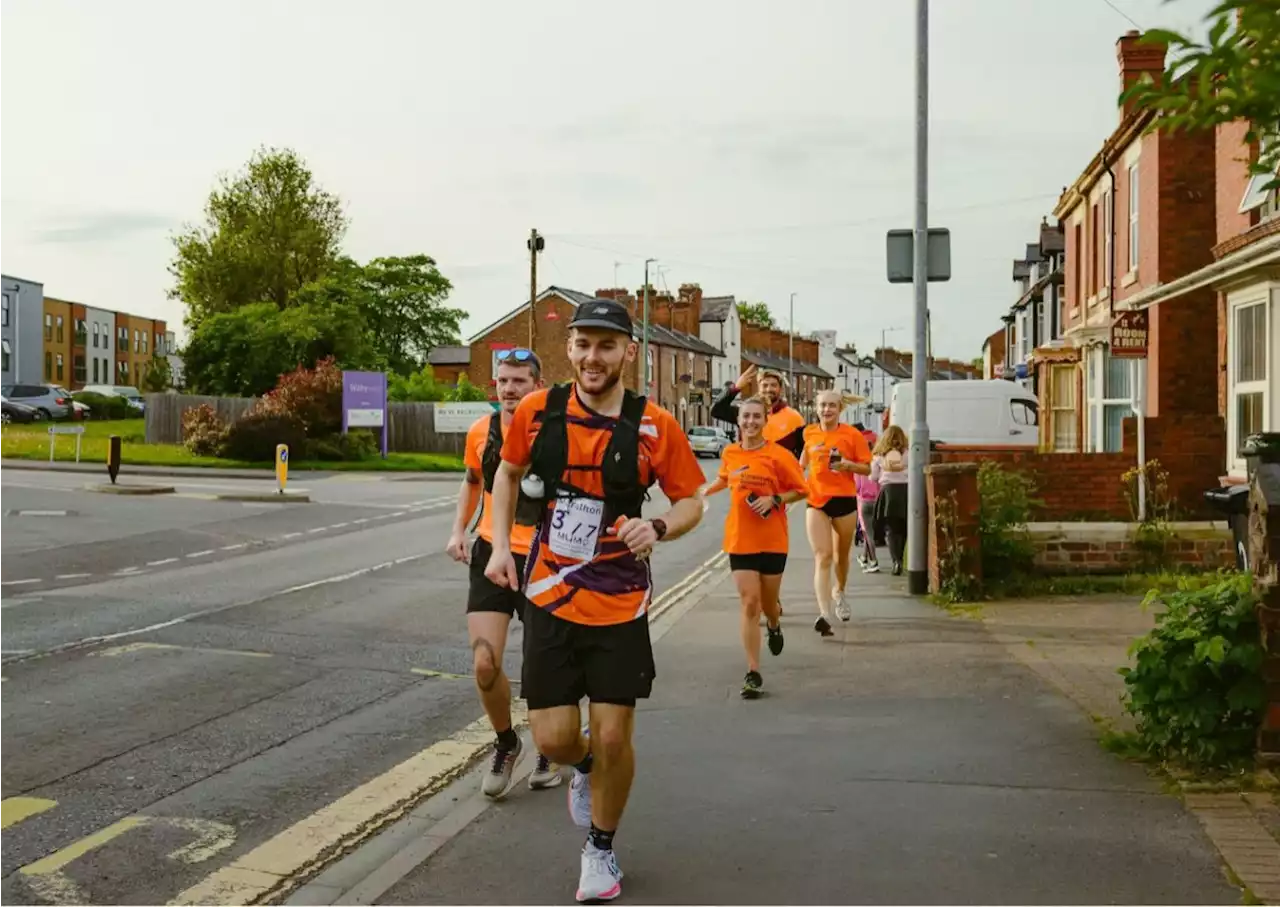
x: 31, y: 442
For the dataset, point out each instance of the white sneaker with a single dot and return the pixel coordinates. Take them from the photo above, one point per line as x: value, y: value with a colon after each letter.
x: 842, y: 606
x: 545, y: 774
x: 580, y: 795
x: 872, y: 567
x: 498, y: 780
x: 601, y: 879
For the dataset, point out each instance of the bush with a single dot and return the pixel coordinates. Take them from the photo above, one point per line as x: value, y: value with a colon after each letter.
x: 254, y: 436
x: 1196, y: 688
x: 203, y: 430
x: 311, y: 396
x: 1005, y: 503
x: 355, y: 445
x: 102, y: 406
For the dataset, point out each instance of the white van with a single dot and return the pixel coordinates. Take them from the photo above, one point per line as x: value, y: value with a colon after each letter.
x: 972, y: 413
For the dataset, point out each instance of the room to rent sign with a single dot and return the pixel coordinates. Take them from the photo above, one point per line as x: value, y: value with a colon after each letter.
x: 1129, y: 335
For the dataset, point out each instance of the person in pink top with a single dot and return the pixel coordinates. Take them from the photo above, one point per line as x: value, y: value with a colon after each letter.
x: 868, y: 494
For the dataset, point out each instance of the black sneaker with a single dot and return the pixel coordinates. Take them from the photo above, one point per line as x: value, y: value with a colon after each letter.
x: 775, y: 640
x: 751, y: 685
x: 822, y: 627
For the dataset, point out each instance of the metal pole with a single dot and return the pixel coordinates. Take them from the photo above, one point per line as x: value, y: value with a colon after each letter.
x: 533, y: 280
x: 791, y: 350
x: 644, y: 340
x: 917, y: 535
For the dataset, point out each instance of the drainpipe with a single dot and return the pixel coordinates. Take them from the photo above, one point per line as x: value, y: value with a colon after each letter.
x: 1138, y: 372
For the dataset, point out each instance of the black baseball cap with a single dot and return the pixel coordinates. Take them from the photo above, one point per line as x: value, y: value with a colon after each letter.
x: 603, y: 313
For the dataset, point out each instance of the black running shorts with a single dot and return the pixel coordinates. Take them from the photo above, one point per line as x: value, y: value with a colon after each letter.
x: 483, y: 594
x: 565, y: 661
x: 838, y: 507
x: 768, y: 563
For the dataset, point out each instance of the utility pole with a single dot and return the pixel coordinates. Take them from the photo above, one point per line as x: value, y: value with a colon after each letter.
x: 644, y: 339
x: 791, y: 349
x: 917, y: 534
x: 536, y: 244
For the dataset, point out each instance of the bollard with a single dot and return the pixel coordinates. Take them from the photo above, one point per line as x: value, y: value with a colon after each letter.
x: 282, y: 465
x: 113, y: 457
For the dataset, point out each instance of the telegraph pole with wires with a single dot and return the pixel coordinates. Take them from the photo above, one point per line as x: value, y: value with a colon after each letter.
x: 791, y: 350
x: 536, y: 244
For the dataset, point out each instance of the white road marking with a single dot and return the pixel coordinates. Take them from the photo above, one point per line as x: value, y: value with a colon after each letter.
x: 128, y: 571
x: 19, y: 582
x: 342, y: 577
x: 72, y: 575
x: 317, y: 529
x: 361, y: 521
x: 290, y: 535
x: 398, y: 513
x: 234, y: 547
x: 339, y: 525
x: 162, y: 562
x: 204, y: 553
x: 38, y: 512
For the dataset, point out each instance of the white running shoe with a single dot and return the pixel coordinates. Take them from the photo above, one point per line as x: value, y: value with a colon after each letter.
x: 498, y: 780
x: 872, y: 567
x: 545, y: 774
x: 842, y: 606
x: 601, y: 879
x: 580, y: 795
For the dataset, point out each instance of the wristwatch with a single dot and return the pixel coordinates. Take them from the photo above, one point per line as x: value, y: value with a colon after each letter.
x: 659, y: 526
x: 777, y: 500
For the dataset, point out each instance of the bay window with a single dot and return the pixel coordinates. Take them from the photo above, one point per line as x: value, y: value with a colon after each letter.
x: 1062, y: 409
x: 1109, y: 387
x: 1248, y: 355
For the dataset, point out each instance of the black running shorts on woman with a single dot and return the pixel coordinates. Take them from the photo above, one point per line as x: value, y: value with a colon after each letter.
x: 565, y: 661
x: 767, y: 563
x: 483, y: 594
x: 838, y: 507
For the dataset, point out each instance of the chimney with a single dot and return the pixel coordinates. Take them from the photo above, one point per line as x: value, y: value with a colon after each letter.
x: 660, y: 308
x: 1137, y: 59
x: 622, y: 295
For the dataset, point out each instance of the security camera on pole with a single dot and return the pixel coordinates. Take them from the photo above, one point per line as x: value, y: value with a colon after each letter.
x: 919, y: 256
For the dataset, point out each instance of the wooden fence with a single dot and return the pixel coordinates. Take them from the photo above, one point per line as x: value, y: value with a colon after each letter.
x: 410, y: 426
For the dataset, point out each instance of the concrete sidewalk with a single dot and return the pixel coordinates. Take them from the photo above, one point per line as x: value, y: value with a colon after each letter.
x: 215, y: 472
x: 908, y: 759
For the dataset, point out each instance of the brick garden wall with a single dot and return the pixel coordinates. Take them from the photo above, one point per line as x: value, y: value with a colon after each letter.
x: 1083, y: 485
x: 1098, y: 548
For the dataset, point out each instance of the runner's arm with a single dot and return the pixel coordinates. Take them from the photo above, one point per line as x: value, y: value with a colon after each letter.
x: 715, y: 487
x: 506, y: 490
x: 683, y: 517
x: 468, y: 498
x: 794, y: 442
x: 724, y: 408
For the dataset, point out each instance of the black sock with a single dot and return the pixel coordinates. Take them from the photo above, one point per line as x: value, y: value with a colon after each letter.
x: 508, y: 740
x: 601, y: 840
x: 585, y: 765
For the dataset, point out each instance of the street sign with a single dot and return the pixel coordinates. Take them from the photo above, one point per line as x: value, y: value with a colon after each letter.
x: 1129, y: 335
x: 282, y: 465
x: 55, y: 430
x: 364, y: 402
x: 457, y: 418
x: 900, y: 248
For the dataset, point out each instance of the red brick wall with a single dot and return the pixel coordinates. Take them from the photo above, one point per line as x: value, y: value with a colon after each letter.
x: 1190, y: 448
x: 1075, y: 553
x: 1231, y: 157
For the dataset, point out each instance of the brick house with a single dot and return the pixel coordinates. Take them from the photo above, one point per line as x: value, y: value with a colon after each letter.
x: 680, y: 361
x: 768, y: 348
x: 1242, y: 271
x: 448, y: 362
x: 993, y: 354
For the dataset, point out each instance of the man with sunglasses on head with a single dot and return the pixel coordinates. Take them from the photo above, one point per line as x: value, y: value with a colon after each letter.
x: 490, y: 607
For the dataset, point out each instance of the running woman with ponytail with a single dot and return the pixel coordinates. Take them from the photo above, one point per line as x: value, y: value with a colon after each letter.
x: 762, y: 478
x: 834, y: 453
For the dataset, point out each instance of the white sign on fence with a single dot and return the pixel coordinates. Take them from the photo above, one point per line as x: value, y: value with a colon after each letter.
x: 456, y: 418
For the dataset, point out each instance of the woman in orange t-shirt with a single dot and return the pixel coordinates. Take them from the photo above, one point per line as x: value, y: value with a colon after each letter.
x: 834, y: 454
x: 762, y: 478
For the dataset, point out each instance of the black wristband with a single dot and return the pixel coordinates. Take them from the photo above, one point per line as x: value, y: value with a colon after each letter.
x: 660, y: 527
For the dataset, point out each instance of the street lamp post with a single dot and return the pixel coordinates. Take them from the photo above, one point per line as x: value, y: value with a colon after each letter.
x: 917, y: 530
x: 791, y: 350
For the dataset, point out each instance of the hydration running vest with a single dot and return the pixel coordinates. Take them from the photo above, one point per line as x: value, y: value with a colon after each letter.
x: 624, y: 495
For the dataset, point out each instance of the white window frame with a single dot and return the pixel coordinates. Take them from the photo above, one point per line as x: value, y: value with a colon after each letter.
x: 7, y: 303
x: 1098, y: 402
x: 1264, y: 295
x: 1134, y: 199
x: 1108, y: 229
x: 1256, y: 195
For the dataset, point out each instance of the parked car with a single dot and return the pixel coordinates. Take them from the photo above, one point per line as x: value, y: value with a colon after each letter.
x: 19, y: 412
x: 52, y: 400
x: 708, y: 441
x: 131, y: 394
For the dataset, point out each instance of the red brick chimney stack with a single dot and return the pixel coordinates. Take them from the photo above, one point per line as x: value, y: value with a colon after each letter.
x: 1136, y: 60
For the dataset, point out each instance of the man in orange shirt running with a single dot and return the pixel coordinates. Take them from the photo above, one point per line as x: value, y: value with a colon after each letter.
x: 490, y: 607
x: 783, y: 424
x: 591, y: 449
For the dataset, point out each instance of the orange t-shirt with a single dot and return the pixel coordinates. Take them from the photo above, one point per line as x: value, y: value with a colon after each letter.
x: 781, y: 423
x: 473, y: 457
x: 575, y: 569
x: 764, y: 472
x: 824, y: 482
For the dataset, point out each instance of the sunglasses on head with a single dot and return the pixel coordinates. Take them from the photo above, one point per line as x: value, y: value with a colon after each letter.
x: 519, y: 355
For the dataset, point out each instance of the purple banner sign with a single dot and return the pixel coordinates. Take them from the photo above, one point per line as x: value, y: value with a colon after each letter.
x: 364, y: 402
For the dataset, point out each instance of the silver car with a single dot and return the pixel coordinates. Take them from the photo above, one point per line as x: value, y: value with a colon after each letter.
x: 708, y: 441
x: 50, y: 400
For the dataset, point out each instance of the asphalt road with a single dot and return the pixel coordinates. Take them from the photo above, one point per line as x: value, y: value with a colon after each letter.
x: 184, y: 677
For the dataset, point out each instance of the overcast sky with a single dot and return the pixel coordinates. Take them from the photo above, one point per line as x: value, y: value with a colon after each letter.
x: 755, y: 147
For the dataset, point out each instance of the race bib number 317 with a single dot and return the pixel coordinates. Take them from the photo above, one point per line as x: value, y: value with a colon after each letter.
x: 575, y: 527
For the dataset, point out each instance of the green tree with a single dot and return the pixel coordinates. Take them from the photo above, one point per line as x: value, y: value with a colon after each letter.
x: 466, y: 392
x: 403, y: 305
x: 267, y: 232
x: 244, y: 352
x: 157, y: 376
x: 1234, y: 74
x: 757, y: 314
x: 418, y: 387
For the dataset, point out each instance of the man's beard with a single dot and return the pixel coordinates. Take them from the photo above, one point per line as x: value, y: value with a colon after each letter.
x: 610, y: 379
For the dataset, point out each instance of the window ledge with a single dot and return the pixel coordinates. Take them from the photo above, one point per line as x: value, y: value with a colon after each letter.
x: 1129, y: 279
x: 1091, y: 301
